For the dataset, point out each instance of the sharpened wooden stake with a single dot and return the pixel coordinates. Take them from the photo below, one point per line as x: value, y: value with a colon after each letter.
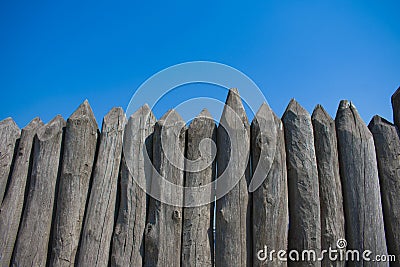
x: 304, y: 205
x: 98, y: 228
x: 387, y: 147
x: 197, y: 233
x: 128, y: 238
x: 164, y: 224
x: 396, y: 107
x: 361, y: 191
x: 270, y: 200
x: 78, y: 157
x: 330, y: 186
x: 9, y: 134
x: 11, y: 208
x: 233, y: 210
x: 36, y: 221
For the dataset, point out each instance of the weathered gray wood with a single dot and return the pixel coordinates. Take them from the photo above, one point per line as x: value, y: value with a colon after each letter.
x: 128, y: 238
x: 330, y: 186
x: 9, y: 134
x: 361, y: 191
x: 270, y: 200
x: 78, y: 157
x: 396, y: 107
x: 11, y: 208
x: 304, y: 205
x: 387, y: 147
x: 164, y: 223
x: 99, y: 220
x: 233, y: 221
x: 197, y: 232
x: 34, y: 231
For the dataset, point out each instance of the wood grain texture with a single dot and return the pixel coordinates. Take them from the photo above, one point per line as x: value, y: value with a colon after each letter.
x: 304, y: 205
x: 128, y: 237
x: 12, y: 206
x: 330, y: 186
x: 78, y: 157
x: 97, y: 232
x: 396, y: 107
x: 233, y: 210
x: 36, y: 220
x: 9, y: 134
x: 387, y: 147
x: 164, y: 224
x: 361, y: 191
x: 197, y: 233
x: 270, y: 200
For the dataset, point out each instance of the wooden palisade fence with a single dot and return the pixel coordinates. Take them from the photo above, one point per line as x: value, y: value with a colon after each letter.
x: 69, y: 198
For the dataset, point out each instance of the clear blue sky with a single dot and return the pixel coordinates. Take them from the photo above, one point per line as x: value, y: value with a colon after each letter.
x: 55, y: 54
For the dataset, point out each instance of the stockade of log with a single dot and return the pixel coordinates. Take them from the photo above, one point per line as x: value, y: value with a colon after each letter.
x: 72, y: 195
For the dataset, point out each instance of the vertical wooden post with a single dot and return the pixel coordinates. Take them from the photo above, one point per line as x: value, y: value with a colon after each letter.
x: 361, y: 191
x: 128, y: 238
x: 78, y: 157
x: 164, y: 224
x: 9, y: 134
x: 304, y: 205
x: 197, y: 233
x: 270, y: 200
x: 396, y: 107
x: 98, y: 228
x: 34, y: 231
x: 11, y: 208
x: 233, y: 210
x: 330, y: 187
x: 387, y: 147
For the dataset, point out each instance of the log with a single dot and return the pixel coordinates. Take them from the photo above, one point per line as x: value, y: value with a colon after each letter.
x: 387, y: 147
x: 396, y: 107
x: 361, y: 191
x: 78, y: 157
x: 164, y: 224
x: 36, y: 220
x: 270, y: 199
x: 128, y: 238
x: 99, y: 220
x: 303, y: 186
x: 197, y: 233
x: 12, y: 206
x: 330, y: 186
x: 9, y: 134
x: 233, y: 210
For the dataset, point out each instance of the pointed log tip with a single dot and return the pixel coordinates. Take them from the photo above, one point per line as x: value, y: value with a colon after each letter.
x: 264, y: 108
x: 204, y: 114
x: 295, y: 108
x: 204, y: 117
x: 378, y: 120
x: 262, y: 112
x: 33, y: 124
x: 9, y: 122
x: 170, y: 117
x: 233, y: 91
x: 115, y: 114
x: 320, y: 114
x: 234, y: 104
x: 396, y: 95
x: 235, y: 101
x: 143, y: 111
x: 51, y: 128
x: 84, y: 110
x: 344, y: 104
